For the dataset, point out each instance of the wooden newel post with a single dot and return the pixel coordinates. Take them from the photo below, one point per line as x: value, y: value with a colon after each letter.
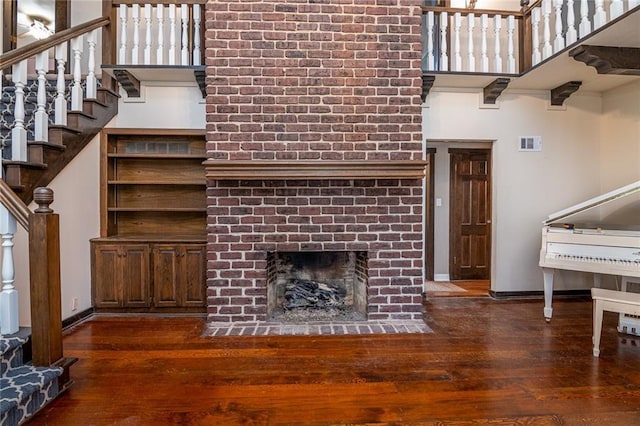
x: 44, y: 268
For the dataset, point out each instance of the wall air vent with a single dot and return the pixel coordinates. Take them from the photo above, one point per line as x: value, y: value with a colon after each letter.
x: 530, y: 143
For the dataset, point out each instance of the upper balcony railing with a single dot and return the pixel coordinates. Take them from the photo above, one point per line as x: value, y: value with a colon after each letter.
x: 510, y: 42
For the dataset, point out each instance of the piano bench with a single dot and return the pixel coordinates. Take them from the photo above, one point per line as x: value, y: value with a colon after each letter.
x: 612, y: 301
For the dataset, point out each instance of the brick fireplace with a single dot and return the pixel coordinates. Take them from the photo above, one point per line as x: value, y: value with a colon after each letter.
x: 314, y: 146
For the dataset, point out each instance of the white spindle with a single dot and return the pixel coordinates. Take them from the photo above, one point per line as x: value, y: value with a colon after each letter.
x: 457, y: 58
x: 585, y: 24
x: 484, y: 57
x: 9, y: 318
x: 184, y: 51
x: 547, y: 50
x: 18, y: 132
x: 558, y: 42
x: 615, y: 9
x: 147, y: 40
x: 497, y: 59
x: 197, y: 21
x: 572, y: 34
x: 600, y: 16
x: 41, y: 118
x: 172, y: 34
x: 122, y: 52
x: 471, y: 60
x: 135, y: 49
x: 511, y: 58
x: 535, y: 36
x: 61, y: 101
x: 160, y: 49
x: 92, y: 84
x: 444, y: 55
x: 76, y: 87
x: 431, y: 62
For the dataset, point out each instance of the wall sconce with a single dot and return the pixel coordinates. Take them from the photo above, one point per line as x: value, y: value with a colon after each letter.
x: 39, y: 31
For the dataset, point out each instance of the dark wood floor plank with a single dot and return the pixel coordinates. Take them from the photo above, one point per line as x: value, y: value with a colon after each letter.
x: 487, y: 362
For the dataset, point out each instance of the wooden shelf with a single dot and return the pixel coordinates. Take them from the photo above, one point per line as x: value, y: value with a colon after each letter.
x: 284, y: 169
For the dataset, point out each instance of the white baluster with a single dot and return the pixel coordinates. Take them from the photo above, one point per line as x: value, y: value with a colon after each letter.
x: 197, y: 21
x: 547, y: 50
x: 572, y: 34
x: 41, y: 125
x: 585, y: 24
x: 122, y: 52
x: 471, y: 60
x: 511, y: 58
x: 497, y: 60
x: 172, y: 34
x: 535, y: 36
x: 184, y: 52
x: 431, y: 60
x: 61, y: 101
x: 600, y: 16
x: 147, y: 46
x: 92, y: 84
x: 444, y: 56
x: 457, y: 58
x: 615, y: 9
x: 18, y: 132
x: 76, y: 87
x: 9, y: 316
x: 484, y: 58
x: 160, y: 49
x: 558, y: 42
x: 135, y: 49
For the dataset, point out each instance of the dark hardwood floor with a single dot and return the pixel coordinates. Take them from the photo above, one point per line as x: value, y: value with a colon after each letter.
x: 487, y: 362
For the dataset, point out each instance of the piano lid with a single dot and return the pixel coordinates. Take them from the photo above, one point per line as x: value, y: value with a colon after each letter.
x: 594, y: 202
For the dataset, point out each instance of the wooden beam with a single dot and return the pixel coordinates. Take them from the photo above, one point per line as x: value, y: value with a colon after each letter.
x: 129, y: 83
x: 608, y: 59
x: 561, y: 93
x: 494, y: 89
x: 427, y: 84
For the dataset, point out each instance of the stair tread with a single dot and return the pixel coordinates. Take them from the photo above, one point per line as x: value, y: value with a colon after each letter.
x: 9, y: 343
x: 20, y: 382
x: 24, y: 164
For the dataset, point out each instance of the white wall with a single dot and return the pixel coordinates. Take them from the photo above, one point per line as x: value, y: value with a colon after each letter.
x: 527, y: 186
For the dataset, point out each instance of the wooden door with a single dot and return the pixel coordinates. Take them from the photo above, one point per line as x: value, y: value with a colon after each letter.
x: 107, y: 276
x: 166, y: 273
x: 194, y: 275
x: 470, y: 214
x: 135, y: 275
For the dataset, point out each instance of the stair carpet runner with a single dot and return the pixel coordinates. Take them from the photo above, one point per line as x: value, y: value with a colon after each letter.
x: 7, y: 103
x: 24, y: 389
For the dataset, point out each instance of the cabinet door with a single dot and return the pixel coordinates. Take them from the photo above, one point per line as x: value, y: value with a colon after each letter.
x: 135, y: 275
x: 166, y: 272
x: 107, y: 278
x: 194, y: 275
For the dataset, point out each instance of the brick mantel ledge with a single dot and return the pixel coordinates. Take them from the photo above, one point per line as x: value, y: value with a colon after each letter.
x: 318, y: 169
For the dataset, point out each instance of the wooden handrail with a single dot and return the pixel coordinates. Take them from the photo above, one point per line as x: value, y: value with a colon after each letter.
x: 26, y: 52
x: 439, y: 9
x: 15, y: 205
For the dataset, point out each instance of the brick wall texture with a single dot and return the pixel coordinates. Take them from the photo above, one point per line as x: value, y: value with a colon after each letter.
x: 313, y: 80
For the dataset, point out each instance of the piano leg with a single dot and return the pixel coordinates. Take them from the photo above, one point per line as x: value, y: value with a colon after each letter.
x: 547, y: 274
x: 597, y: 326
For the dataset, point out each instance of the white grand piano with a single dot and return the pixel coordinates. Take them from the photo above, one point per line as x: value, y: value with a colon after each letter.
x: 598, y: 245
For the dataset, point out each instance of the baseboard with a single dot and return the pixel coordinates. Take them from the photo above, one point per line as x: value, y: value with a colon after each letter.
x: 77, y: 318
x: 441, y: 277
x: 537, y: 294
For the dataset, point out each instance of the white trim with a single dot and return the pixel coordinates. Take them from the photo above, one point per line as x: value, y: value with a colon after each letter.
x: 441, y: 277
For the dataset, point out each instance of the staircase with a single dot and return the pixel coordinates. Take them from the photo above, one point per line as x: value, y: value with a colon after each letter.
x: 46, y: 159
x: 25, y: 388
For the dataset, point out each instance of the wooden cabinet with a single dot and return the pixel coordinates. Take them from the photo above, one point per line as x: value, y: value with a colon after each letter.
x: 151, y: 254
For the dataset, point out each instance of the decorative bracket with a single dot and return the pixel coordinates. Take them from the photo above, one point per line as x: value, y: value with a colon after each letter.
x: 494, y: 89
x: 561, y: 93
x: 200, y: 77
x: 427, y: 84
x: 609, y: 60
x: 129, y: 83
